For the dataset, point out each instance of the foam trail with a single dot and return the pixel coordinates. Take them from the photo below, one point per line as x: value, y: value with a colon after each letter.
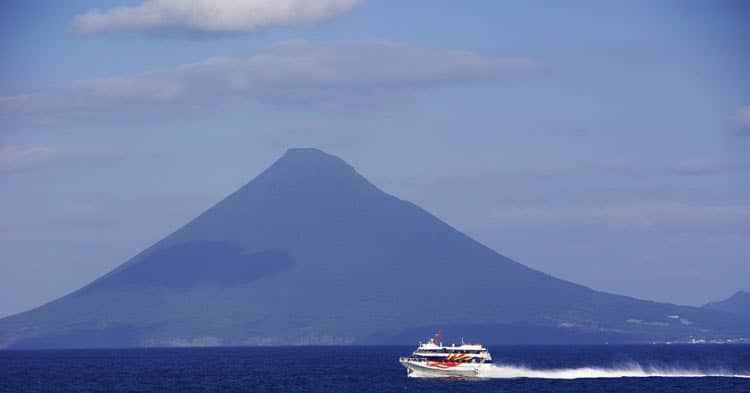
x: 631, y: 371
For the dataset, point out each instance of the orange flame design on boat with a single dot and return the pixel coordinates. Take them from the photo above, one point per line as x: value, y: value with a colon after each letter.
x: 452, y: 360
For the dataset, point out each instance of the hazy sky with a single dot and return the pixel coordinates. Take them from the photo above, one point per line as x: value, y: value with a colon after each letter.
x: 602, y: 142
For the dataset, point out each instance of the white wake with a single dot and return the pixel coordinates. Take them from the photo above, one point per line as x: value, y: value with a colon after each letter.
x: 628, y: 371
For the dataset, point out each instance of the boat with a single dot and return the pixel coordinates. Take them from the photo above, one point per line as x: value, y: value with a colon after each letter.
x: 435, y: 360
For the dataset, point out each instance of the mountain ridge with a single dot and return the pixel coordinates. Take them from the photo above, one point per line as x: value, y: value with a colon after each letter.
x: 738, y: 304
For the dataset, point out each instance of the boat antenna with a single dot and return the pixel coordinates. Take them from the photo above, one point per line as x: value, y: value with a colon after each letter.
x: 436, y: 339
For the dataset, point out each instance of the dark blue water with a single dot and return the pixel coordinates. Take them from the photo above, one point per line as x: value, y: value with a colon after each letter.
x: 374, y: 369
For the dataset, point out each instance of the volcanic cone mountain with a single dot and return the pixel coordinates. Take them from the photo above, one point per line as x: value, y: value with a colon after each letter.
x: 310, y: 252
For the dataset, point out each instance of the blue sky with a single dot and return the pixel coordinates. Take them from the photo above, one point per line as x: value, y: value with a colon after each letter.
x: 602, y: 143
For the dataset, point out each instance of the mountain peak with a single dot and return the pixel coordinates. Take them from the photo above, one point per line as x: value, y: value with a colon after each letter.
x: 310, y: 156
x: 309, y: 153
x: 307, y: 163
x: 305, y: 151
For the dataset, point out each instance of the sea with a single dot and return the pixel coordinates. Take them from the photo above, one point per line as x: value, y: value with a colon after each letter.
x: 604, y: 368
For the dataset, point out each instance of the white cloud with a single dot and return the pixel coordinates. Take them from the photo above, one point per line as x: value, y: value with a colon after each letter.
x: 626, y: 215
x: 694, y: 167
x: 741, y: 118
x: 289, y: 73
x: 210, y: 16
x: 13, y: 158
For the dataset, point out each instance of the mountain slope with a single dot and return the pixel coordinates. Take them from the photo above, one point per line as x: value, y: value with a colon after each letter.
x: 310, y: 252
x: 738, y: 304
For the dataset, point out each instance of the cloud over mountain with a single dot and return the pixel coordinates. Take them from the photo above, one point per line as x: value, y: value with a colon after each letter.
x: 289, y: 73
x: 209, y: 17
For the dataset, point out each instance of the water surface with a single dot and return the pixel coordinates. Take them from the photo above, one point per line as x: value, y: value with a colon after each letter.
x: 663, y: 368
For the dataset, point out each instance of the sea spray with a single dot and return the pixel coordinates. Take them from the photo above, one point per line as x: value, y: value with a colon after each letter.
x: 633, y: 370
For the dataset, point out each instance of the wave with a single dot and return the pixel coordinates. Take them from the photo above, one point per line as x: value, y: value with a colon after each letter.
x: 628, y: 371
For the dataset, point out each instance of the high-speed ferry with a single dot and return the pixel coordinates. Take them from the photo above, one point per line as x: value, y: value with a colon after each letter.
x: 433, y: 359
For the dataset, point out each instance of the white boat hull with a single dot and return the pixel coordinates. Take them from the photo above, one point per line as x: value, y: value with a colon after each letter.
x: 429, y: 369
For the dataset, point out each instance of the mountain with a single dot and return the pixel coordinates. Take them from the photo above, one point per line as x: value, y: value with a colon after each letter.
x: 738, y: 304
x: 310, y: 252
